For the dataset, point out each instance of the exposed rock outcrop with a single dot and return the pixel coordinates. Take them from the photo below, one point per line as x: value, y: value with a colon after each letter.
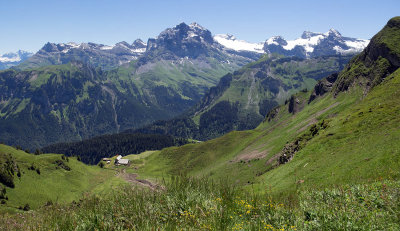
x: 323, y: 86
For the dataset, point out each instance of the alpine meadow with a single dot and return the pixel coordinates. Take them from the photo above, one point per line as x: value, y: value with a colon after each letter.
x: 191, y: 129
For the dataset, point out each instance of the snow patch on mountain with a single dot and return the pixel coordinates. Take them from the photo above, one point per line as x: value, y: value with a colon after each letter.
x: 307, y: 43
x: 12, y: 57
x: 231, y: 42
x: 358, y: 44
x: 195, y: 25
x: 311, y: 40
x: 105, y: 47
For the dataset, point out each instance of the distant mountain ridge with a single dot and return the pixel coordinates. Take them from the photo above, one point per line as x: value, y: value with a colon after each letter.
x: 192, y: 39
x: 98, y: 55
x: 310, y: 44
x: 13, y: 58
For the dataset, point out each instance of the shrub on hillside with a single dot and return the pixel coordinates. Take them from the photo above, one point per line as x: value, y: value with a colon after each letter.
x: 7, y: 166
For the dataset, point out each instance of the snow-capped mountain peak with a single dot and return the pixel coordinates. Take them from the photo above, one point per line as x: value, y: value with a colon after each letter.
x: 195, y: 25
x: 231, y: 42
x: 139, y: 43
x: 276, y: 40
x: 315, y: 44
x: 15, y: 56
x: 310, y: 34
x: 334, y: 32
x: 186, y: 32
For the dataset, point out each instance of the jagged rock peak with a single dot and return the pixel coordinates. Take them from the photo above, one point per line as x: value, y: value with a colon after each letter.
x: 195, y: 25
x: 334, y: 32
x: 309, y: 34
x: 277, y: 40
x: 139, y: 43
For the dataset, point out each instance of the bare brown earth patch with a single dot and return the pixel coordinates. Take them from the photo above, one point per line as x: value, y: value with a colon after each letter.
x: 310, y: 122
x: 247, y: 156
x: 33, y: 77
x: 313, y: 119
x: 132, y: 178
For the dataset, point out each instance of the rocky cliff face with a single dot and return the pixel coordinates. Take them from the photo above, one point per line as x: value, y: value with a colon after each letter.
x: 184, y: 41
x: 323, y: 86
x: 379, y: 59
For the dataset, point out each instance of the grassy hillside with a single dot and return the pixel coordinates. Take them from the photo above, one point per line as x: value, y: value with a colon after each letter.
x: 53, y: 179
x: 358, y: 145
x: 345, y: 136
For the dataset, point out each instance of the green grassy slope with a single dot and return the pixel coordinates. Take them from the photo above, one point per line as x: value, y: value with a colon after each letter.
x: 242, y: 99
x: 54, y: 183
x: 346, y: 136
x: 358, y: 145
x: 262, y: 85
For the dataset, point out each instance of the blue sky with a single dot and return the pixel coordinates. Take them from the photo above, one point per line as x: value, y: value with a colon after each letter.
x: 29, y: 24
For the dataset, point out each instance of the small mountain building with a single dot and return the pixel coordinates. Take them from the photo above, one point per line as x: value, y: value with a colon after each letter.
x: 123, y: 162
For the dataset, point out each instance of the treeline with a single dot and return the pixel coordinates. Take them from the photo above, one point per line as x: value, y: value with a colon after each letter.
x: 178, y: 127
x: 91, y: 151
x: 219, y: 120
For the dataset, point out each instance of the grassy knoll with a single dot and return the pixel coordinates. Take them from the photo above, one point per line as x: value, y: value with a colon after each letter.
x: 50, y: 180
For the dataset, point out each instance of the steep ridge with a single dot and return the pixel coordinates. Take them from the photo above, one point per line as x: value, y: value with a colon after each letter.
x: 347, y: 136
x: 378, y: 60
x: 265, y: 84
x: 243, y: 98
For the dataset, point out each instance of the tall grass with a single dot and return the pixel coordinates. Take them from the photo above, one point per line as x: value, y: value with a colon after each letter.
x: 200, y: 204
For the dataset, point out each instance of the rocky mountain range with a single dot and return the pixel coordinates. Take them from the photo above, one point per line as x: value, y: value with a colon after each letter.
x: 68, y: 91
x: 98, y: 55
x: 79, y: 98
x: 310, y: 44
x: 191, y: 41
